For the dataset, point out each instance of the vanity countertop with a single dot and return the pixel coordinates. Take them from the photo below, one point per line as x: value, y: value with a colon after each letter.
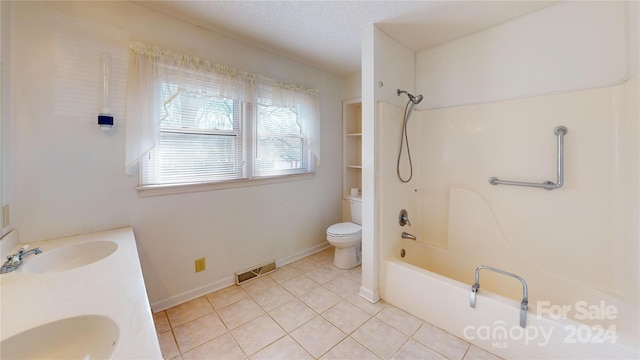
x: 112, y: 287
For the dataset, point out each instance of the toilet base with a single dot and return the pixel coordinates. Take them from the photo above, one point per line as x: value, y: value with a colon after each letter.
x: 348, y: 257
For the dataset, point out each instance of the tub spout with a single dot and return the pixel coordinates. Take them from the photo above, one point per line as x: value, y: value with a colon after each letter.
x: 406, y: 235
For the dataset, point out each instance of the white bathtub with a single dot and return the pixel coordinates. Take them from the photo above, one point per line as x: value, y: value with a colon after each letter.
x: 494, y: 323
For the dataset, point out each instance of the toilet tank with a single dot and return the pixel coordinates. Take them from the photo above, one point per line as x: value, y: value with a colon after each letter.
x: 356, y: 211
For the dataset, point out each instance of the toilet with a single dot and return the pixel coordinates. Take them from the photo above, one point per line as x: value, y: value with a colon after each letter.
x: 346, y: 237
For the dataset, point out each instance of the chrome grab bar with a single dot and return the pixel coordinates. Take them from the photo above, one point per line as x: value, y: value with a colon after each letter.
x: 560, y: 132
x: 524, y: 304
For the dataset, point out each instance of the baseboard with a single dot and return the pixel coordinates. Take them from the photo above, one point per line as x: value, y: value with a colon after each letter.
x: 370, y: 295
x: 302, y: 254
x: 192, y: 294
x: 227, y: 281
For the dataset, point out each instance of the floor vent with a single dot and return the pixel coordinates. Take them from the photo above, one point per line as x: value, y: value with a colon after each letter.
x: 247, y: 275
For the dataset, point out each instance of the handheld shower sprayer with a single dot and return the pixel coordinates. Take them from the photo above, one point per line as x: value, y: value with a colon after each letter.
x: 413, y: 101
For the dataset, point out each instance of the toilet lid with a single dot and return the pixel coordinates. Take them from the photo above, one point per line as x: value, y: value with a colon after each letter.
x: 344, y: 229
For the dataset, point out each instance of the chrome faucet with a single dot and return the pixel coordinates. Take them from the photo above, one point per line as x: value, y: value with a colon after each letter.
x: 406, y: 235
x: 14, y: 261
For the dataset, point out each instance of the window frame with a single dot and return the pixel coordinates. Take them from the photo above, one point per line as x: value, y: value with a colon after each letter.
x: 248, y: 123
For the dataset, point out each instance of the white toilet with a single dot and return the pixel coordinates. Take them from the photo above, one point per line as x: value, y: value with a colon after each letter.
x: 346, y: 237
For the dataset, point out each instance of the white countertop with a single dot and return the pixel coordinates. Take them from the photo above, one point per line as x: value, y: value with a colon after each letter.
x: 113, y: 287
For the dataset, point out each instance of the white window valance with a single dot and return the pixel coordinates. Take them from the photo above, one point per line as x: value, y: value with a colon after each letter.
x: 145, y: 99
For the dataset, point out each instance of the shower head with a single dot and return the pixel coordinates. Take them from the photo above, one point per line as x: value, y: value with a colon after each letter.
x: 414, y: 99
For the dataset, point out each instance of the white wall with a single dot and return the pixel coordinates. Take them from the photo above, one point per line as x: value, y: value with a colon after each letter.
x: 568, y: 46
x: 386, y: 66
x: 352, y: 85
x: 69, y: 176
x: 5, y: 105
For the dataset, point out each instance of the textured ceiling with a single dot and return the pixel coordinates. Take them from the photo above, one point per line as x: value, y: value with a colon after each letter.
x: 327, y: 34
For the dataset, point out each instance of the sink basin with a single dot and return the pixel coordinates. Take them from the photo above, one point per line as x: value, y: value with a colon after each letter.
x: 80, y: 337
x: 69, y: 257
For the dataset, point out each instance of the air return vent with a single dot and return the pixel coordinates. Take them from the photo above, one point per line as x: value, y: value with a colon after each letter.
x: 255, y: 272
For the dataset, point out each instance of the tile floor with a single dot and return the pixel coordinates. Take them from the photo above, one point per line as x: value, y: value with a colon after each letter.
x: 308, y: 309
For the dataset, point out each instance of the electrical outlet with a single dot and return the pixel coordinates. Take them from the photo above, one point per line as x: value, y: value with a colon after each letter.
x: 200, y: 265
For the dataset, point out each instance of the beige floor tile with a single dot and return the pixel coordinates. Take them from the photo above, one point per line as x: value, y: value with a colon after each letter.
x: 475, y: 353
x: 400, y: 320
x: 168, y: 346
x: 441, y: 341
x: 198, y: 332
x: 414, y: 350
x: 227, y: 296
x: 189, y: 311
x: 305, y: 265
x: 195, y: 323
x: 323, y: 275
x: 346, y: 317
x: 161, y: 322
x: 365, y: 305
x: 258, y: 285
x: 285, y: 348
x: 284, y: 273
x: 240, y: 313
x: 299, y: 285
x: 324, y: 257
x: 349, y: 349
x: 380, y: 338
x: 355, y: 275
x: 318, y: 336
x: 342, y: 287
x: 272, y: 298
x: 257, y: 334
x: 320, y: 299
x: 292, y: 314
x: 223, y: 347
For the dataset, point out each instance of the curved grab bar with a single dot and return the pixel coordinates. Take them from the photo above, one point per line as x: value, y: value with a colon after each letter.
x: 524, y: 304
x: 560, y: 132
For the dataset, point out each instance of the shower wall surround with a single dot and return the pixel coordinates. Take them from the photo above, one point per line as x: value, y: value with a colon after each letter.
x: 492, y: 100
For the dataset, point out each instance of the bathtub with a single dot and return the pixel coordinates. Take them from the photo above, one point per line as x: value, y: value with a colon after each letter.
x: 494, y: 322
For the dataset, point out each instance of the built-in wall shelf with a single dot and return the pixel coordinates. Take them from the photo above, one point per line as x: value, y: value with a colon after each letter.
x: 352, y: 148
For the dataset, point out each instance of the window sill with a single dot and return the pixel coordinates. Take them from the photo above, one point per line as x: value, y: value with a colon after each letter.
x: 158, y: 190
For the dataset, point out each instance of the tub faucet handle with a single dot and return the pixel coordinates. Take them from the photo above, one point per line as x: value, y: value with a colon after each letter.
x: 404, y: 218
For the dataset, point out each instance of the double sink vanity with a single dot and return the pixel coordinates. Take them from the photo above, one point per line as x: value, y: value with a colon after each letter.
x: 82, y: 297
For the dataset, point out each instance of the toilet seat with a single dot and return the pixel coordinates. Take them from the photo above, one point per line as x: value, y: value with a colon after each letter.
x: 344, y: 229
x: 345, y: 232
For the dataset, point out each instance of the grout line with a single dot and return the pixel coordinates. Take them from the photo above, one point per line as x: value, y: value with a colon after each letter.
x: 343, y: 274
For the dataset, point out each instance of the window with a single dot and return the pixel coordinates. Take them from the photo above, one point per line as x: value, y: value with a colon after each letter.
x: 193, y: 122
x: 280, y: 145
x: 203, y: 138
